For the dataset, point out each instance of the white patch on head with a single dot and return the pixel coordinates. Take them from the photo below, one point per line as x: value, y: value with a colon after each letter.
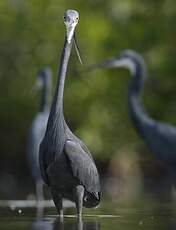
x: 71, y: 18
x: 126, y: 63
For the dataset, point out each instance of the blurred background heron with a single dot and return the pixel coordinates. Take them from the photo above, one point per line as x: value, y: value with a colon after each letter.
x: 159, y: 137
x: 37, y: 130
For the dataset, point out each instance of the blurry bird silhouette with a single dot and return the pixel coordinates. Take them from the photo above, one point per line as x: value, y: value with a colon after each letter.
x: 37, y: 130
x: 66, y: 164
x: 159, y: 137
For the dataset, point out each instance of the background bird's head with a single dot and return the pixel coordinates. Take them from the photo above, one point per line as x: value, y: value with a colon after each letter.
x: 127, y: 59
x: 43, y: 78
x: 130, y: 60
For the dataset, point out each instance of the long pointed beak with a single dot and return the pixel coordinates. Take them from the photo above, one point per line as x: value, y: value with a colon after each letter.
x: 109, y: 63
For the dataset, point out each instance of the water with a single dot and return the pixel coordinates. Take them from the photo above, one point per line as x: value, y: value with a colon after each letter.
x: 109, y: 216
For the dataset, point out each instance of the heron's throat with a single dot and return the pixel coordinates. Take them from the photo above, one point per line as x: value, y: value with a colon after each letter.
x: 70, y: 32
x: 58, y: 99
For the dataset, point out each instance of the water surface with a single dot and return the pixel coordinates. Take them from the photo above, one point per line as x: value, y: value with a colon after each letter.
x: 108, y: 216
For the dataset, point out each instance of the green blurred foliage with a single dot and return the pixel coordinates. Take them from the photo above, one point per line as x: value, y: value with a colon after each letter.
x: 31, y: 37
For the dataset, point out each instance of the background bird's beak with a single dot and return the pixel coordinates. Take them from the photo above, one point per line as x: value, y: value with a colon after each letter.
x: 109, y: 63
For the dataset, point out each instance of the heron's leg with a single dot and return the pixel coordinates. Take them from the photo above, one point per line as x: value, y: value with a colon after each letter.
x: 80, y: 224
x: 39, y: 193
x: 79, y: 194
x: 57, y: 198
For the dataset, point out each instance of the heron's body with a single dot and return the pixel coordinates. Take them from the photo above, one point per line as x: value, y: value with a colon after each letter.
x: 36, y: 135
x: 159, y: 137
x: 66, y: 164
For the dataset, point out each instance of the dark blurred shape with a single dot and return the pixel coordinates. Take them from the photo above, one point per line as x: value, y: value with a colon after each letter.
x: 157, y: 184
x: 37, y: 130
x: 124, y: 181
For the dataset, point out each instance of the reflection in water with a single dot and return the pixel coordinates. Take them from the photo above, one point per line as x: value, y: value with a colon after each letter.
x: 41, y: 225
x: 40, y: 210
x: 165, y: 212
x: 72, y: 224
x: 67, y: 224
x: 145, y: 215
x: 151, y: 216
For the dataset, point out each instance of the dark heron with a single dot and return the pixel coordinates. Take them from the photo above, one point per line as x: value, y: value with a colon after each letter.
x: 159, y: 137
x: 38, y: 128
x: 66, y: 164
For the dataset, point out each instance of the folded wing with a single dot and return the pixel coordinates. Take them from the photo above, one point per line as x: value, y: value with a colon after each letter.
x: 83, y: 166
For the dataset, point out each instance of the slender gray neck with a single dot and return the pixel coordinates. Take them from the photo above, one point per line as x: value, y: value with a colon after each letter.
x: 57, y: 105
x: 136, y: 109
x: 55, y: 131
x: 44, y: 106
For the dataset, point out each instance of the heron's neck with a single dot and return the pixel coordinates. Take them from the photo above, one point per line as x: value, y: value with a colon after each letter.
x: 57, y: 105
x: 136, y: 109
x: 44, y: 106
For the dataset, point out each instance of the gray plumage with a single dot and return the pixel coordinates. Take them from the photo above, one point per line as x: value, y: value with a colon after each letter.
x: 66, y: 164
x: 38, y: 128
x: 159, y: 137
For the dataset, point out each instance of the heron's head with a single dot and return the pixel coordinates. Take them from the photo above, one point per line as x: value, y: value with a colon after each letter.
x: 71, y: 18
x: 44, y: 77
x: 127, y: 59
x: 130, y: 60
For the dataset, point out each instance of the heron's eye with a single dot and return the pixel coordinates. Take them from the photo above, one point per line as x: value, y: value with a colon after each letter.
x: 64, y: 18
x: 77, y: 19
